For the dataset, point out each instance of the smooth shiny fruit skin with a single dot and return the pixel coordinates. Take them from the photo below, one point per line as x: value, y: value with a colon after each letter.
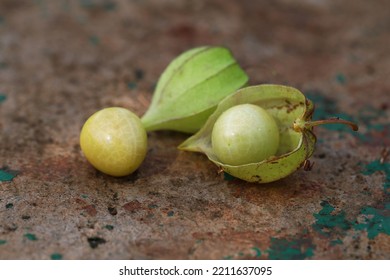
x: 114, y: 141
x: 245, y: 134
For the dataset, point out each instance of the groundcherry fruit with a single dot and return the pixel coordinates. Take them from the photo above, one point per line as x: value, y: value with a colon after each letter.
x: 245, y: 134
x: 292, y: 112
x: 114, y: 141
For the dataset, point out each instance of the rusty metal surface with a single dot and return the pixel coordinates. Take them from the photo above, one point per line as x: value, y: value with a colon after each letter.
x: 60, y: 61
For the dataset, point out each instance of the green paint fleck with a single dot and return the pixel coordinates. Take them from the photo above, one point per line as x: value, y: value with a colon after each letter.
x: 337, y: 241
x: 377, y: 166
x: 257, y: 252
x: 170, y: 213
x: 7, y: 175
x: 132, y: 85
x: 84, y: 196
x: 341, y: 79
x: 327, y: 108
x: 227, y: 257
x: 56, y: 256
x: 9, y: 206
x: 375, y: 132
x: 376, y: 221
x: 109, y: 227
x: 295, y: 249
x: 31, y: 236
x: 2, y: 242
x: 228, y: 177
x: 378, y: 133
x: 94, y: 40
x: 373, y: 220
x: 328, y: 223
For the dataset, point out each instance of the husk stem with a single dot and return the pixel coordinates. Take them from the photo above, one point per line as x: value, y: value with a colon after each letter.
x: 300, y: 125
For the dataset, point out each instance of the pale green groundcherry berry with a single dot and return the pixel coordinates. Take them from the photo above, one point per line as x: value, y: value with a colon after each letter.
x: 245, y: 134
x: 114, y: 141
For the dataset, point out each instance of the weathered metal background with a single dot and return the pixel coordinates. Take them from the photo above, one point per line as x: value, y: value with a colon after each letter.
x: 60, y: 61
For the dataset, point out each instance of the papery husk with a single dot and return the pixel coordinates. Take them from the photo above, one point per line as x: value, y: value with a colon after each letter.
x: 190, y: 88
x: 287, y: 106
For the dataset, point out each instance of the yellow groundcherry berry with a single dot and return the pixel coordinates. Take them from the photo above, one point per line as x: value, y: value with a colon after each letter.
x: 114, y: 141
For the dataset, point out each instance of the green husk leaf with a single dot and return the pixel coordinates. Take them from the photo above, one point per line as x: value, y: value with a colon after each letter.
x: 287, y: 105
x: 191, y: 87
